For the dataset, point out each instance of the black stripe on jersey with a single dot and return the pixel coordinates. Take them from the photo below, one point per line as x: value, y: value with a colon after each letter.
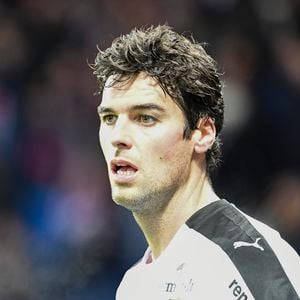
x: 223, y: 224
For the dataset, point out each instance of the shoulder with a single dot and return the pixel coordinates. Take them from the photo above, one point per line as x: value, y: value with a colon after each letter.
x: 269, y: 266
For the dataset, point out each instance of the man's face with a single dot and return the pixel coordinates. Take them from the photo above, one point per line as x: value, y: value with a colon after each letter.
x: 141, y: 135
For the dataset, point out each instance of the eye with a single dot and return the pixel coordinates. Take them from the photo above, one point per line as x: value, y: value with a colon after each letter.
x: 109, y: 119
x: 147, y: 119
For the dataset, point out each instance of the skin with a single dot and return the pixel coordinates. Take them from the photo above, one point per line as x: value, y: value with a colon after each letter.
x: 142, y: 125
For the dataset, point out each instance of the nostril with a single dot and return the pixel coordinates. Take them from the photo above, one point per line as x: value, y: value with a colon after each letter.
x: 122, y: 144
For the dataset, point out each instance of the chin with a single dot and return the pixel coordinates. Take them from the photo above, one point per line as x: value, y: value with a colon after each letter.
x: 122, y: 199
x: 129, y: 202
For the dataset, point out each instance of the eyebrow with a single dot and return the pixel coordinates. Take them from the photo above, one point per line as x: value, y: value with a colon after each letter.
x: 149, y: 106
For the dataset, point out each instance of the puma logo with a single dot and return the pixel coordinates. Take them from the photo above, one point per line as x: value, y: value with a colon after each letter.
x: 245, y: 244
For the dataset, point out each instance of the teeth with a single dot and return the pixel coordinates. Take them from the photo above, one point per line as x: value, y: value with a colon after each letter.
x: 125, y: 173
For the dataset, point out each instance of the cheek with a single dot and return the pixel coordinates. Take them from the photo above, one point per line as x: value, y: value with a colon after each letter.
x: 103, y: 143
x: 170, y: 148
x: 101, y: 140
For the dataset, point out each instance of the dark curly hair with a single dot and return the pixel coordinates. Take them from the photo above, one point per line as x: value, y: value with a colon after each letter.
x: 180, y: 65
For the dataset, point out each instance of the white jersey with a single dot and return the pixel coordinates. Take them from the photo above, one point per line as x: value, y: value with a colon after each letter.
x: 219, y: 253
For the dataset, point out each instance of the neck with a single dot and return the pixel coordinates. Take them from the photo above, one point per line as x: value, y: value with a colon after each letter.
x: 160, y: 227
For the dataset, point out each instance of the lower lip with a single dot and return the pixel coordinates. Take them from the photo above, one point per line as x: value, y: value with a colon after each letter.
x: 124, y: 178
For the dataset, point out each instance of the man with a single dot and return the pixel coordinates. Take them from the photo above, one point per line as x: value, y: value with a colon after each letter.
x: 161, y: 115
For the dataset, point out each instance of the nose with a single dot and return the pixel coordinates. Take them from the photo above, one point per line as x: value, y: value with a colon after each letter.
x: 121, y: 138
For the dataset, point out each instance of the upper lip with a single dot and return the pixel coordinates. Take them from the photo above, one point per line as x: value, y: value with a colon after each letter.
x: 119, y: 162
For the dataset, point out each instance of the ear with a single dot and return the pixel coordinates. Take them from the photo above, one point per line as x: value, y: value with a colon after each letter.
x: 204, y: 135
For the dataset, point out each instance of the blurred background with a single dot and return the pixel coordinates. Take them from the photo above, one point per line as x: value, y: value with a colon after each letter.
x: 61, y: 236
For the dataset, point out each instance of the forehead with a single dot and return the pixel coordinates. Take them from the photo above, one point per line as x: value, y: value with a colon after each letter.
x: 141, y: 89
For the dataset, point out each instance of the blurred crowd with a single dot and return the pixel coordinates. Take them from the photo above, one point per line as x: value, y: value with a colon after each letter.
x: 61, y: 235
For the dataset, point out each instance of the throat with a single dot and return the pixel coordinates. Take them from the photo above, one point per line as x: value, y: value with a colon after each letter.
x: 161, y: 225
x: 158, y: 232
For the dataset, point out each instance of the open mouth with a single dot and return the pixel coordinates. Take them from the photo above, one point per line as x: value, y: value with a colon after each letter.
x: 123, y: 169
